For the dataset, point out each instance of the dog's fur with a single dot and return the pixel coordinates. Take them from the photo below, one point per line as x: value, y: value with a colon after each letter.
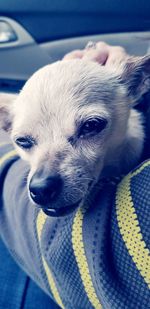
x: 53, y: 104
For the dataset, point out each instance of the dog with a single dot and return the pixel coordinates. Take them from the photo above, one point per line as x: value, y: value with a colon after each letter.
x: 74, y: 122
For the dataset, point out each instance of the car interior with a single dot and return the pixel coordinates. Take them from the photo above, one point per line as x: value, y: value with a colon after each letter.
x: 34, y: 33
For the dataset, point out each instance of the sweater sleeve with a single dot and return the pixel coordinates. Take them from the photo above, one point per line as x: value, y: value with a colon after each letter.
x: 18, y: 215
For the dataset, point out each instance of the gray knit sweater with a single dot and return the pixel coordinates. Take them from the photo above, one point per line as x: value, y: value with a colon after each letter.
x: 96, y: 257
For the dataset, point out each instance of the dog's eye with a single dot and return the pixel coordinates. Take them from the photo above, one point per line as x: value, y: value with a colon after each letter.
x: 26, y: 142
x: 92, y: 127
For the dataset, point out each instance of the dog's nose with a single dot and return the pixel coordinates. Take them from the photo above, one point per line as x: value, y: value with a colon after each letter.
x: 43, y: 191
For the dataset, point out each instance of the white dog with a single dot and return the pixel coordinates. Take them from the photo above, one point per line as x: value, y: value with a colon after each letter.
x: 74, y: 123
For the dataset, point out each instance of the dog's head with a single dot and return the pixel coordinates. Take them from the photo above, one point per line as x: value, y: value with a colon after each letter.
x: 68, y: 120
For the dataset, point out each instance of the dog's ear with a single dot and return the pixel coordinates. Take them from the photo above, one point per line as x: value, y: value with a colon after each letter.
x: 6, y: 101
x: 136, y: 76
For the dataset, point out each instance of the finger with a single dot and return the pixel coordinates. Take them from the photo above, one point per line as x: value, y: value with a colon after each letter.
x: 98, y: 53
x: 117, y: 55
x: 99, y: 56
x: 74, y: 54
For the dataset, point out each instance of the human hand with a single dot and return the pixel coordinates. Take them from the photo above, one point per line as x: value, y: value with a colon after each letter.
x: 99, y: 52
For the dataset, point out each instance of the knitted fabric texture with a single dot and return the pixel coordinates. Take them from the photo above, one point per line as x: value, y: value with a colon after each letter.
x: 96, y: 257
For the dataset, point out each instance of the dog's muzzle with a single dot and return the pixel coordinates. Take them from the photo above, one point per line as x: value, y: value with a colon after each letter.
x: 44, y: 191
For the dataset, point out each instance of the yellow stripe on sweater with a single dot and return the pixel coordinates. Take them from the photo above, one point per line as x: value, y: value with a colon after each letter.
x: 41, y: 219
x: 79, y: 252
x: 4, y: 144
x: 8, y: 156
x: 130, y: 226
